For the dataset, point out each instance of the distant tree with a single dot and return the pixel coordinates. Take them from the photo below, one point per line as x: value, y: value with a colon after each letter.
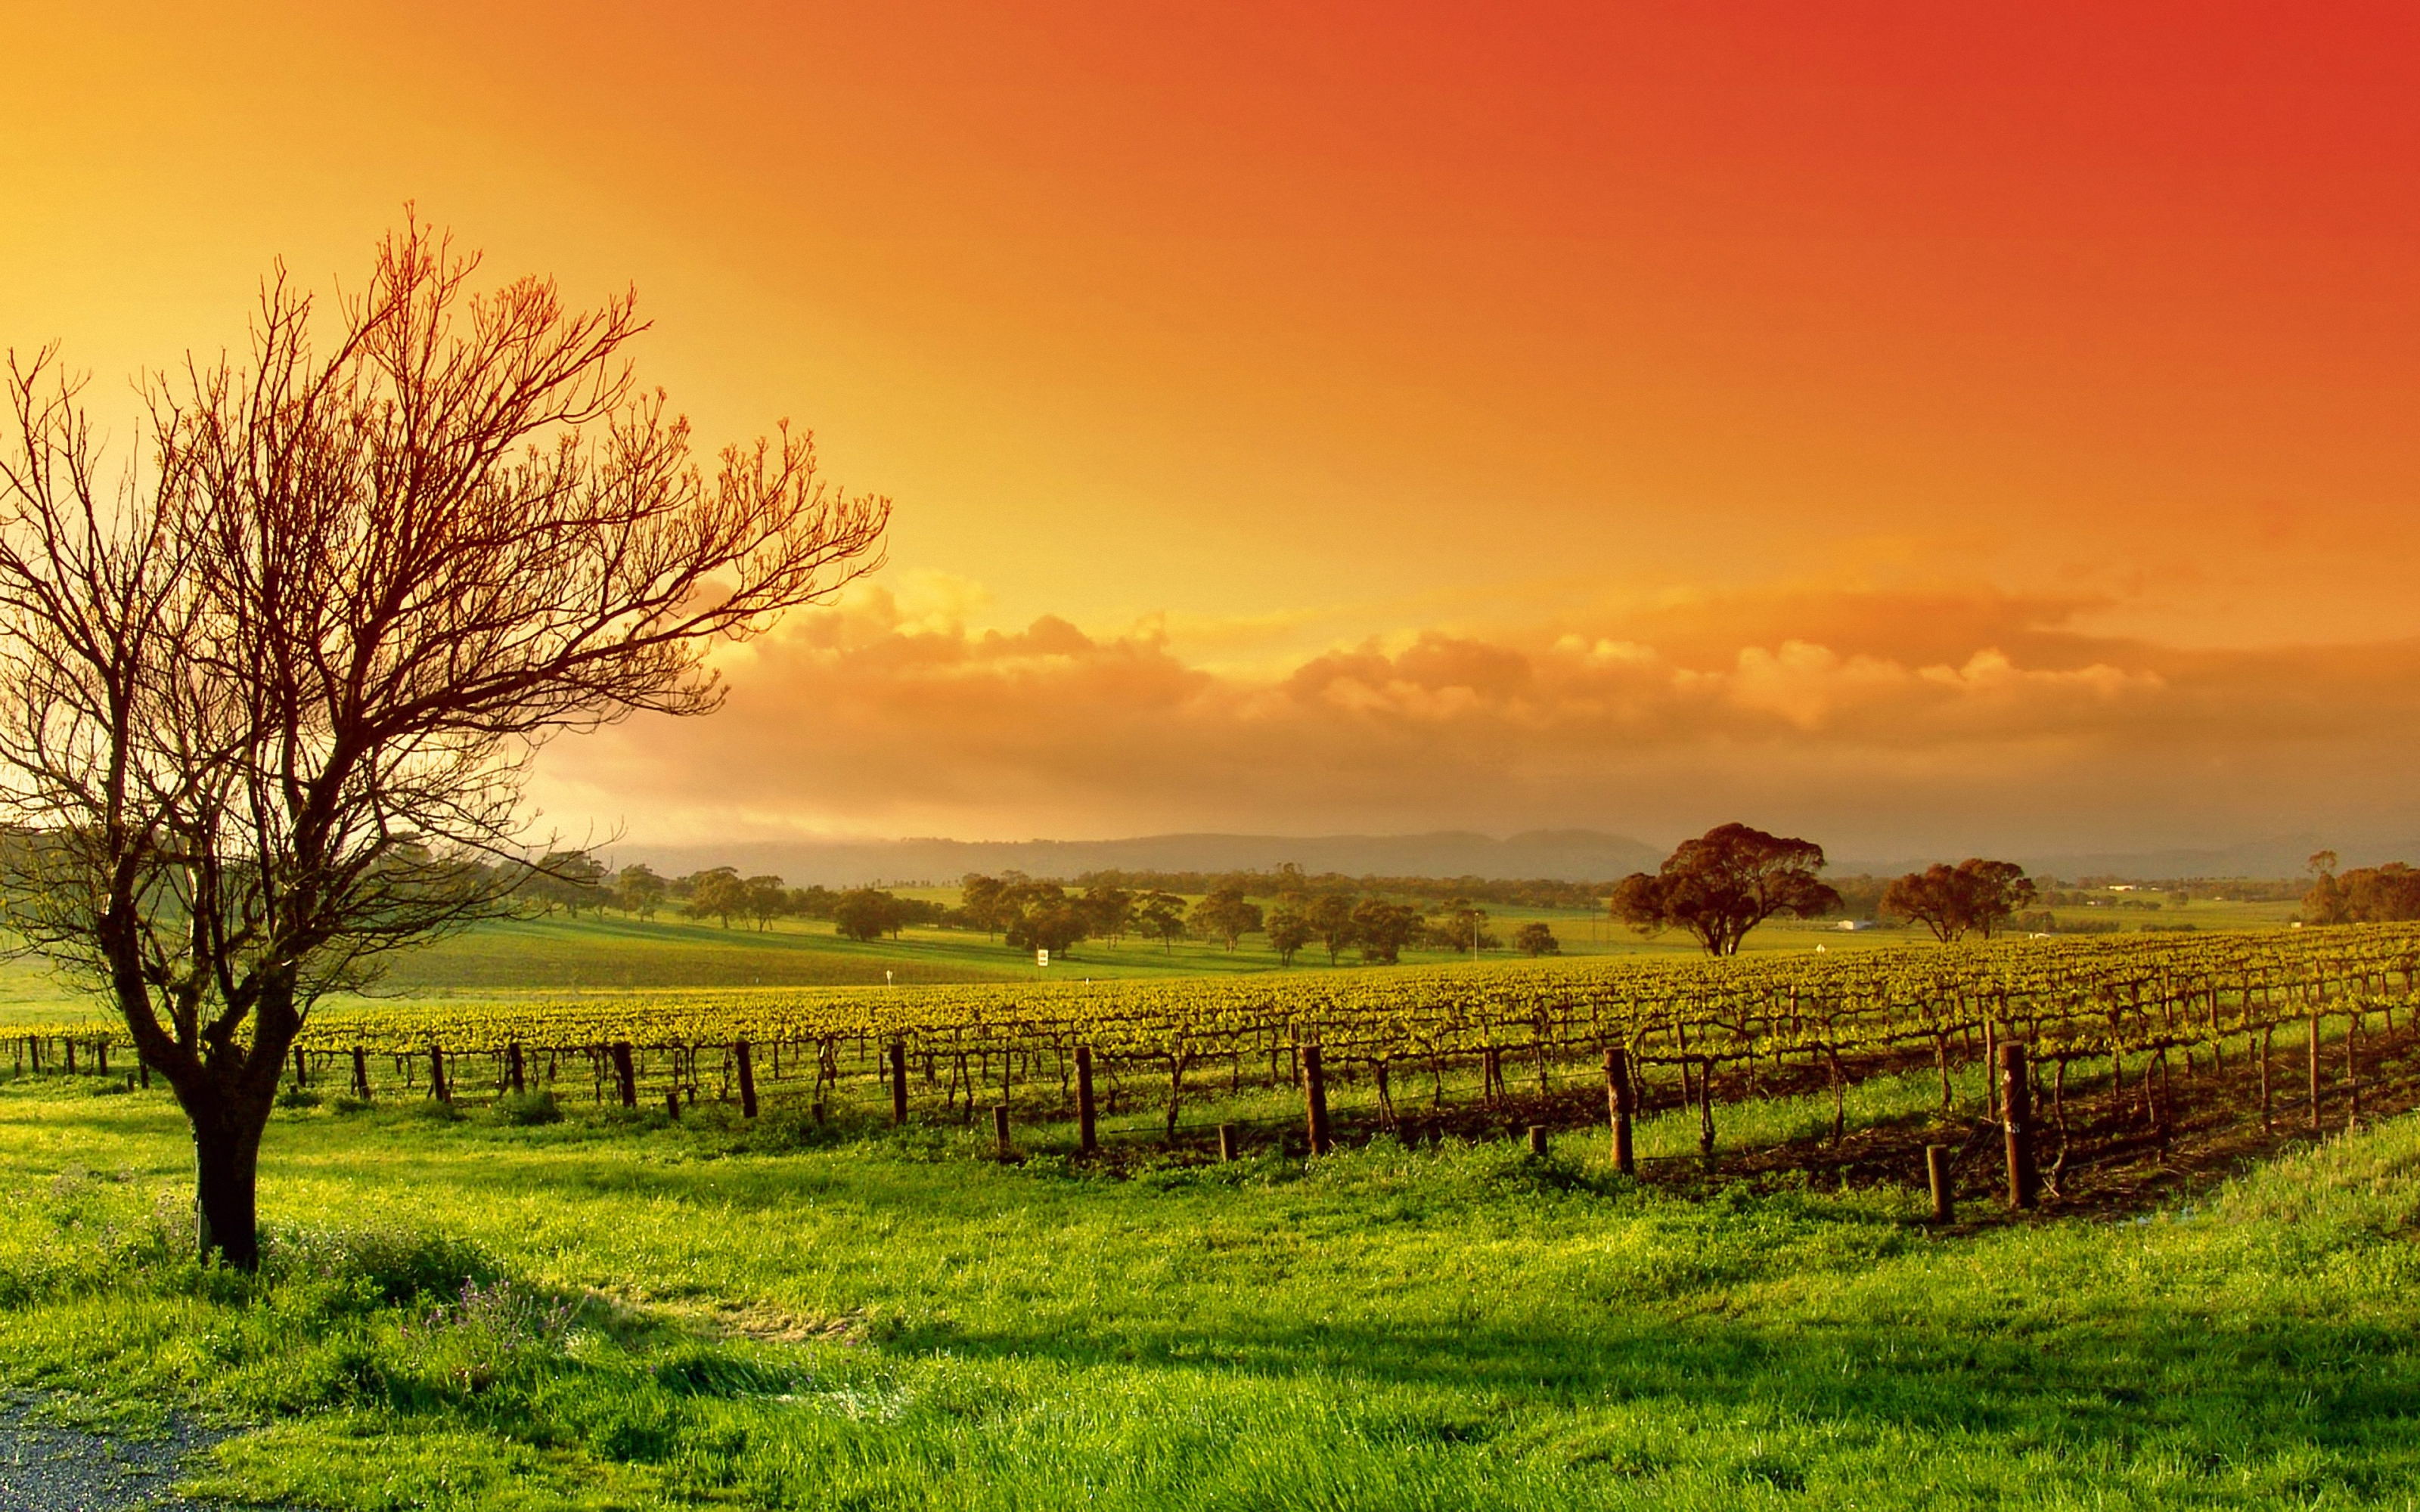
x: 1053, y: 924
x: 2327, y: 902
x: 1330, y: 917
x: 1996, y: 892
x: 1724, y: 884
x: 979, y: 896
x: 568, y: 880
x: 1861, y: 896
x: 715, y: 894
x: 1976, y: 894
x: 1038, y: 915
x: 1931, y: 898
x: 813, y: 901
x: 765, y: 899
x: 640, y: 890
x: 1225, y: 916
x: 1160, y: 916
x: 1460, y: 926
x: 866, y: 914
x: 1288, y: 931
x: 1535, y: 938
x: 1383, y: 928
x: 1107, y: 911
x: 2365, y: 895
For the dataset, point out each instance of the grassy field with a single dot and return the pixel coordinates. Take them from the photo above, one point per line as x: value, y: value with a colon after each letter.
x: 705, y: 1316
x: 562, y: 953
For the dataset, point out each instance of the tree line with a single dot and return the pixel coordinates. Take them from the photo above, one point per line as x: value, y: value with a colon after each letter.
x: 1717, y: 888
x: 1288, y: 877
x: 576, y: 882
x: 1028, y: 914
x: 2363, y: 895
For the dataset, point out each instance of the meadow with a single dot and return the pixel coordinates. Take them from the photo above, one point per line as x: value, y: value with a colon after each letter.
x: 617, y: 1311
x: 564, y: 954
x: 541, y: 1304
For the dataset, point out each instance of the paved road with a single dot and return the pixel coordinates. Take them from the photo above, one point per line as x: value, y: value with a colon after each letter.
x: 49, y: 1468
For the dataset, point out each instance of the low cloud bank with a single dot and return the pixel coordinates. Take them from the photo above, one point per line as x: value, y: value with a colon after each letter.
x: 1880, y: 723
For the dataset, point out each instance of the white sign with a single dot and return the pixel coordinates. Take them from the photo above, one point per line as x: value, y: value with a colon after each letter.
x: 1041, y: 958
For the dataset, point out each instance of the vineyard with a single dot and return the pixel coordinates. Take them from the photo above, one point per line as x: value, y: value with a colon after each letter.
x: 1403, y: 1049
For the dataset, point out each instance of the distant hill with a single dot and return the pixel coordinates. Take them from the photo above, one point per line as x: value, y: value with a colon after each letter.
x: 1554, y: 855
x: 1558, y: 855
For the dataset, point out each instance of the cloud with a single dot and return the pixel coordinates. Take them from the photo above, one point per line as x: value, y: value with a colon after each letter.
x: 1871, y: 719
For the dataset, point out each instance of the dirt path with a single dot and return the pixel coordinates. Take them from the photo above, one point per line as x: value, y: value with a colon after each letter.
x: 47, y: 1468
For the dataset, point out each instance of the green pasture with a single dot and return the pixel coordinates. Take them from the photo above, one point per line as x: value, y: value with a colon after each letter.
x: 561, y: 953
x: 778, y: 1316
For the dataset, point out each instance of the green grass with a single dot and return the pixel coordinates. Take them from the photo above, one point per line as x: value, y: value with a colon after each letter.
x: 560, y: 953
x: 702, y: 1314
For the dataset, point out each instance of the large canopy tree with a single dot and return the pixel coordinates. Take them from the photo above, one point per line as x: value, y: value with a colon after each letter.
x: 1976, y: 894
x: 266, y: 701
x: 1724, y: 884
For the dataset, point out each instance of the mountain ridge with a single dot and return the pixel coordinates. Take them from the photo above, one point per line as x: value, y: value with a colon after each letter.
x: 1559, y: 855
x: 1549, y: 855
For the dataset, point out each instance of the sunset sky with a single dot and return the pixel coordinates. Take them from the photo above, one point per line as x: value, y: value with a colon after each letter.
x: 1924, y: 428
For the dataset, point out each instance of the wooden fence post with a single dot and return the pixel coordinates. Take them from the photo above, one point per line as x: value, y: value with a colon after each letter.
x: 1992, y: 1058
x: 2268, y: 1035
x: 1314, y: 1098
x: 1226, y: 1142
x: 437, y: 1086
x: 302, y: 1070
x: 2016, y: 1105
x: 899, y: 1081
x: 626, y: 1073
x: 1706, y: 1110
x: 2352, y: 1069
x: 1538, y: 1141
x: 1621, y: 1104
x: 2315, y: 1070
x: 1088, y: 1134
x: 672, y: 1103
x: 746, y: 1058
x: 361, y: 1074
x: 1000, y: 1145
x: 1936, y: 1174
x: 515, y: 1074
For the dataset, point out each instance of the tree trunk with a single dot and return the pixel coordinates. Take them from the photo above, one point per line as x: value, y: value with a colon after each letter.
x: 226, y: 1166
x: 227, y: 1092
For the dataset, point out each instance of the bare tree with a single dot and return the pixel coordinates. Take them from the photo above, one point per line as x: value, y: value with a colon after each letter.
x: 270, y: 702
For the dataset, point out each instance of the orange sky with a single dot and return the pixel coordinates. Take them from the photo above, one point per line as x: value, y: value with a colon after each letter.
x: 1916, y: 427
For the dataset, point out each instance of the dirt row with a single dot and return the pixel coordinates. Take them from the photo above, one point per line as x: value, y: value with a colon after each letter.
x: 2181, y: 1123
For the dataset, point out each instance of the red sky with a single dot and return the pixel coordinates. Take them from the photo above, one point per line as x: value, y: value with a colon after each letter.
x: 1911, y: 426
